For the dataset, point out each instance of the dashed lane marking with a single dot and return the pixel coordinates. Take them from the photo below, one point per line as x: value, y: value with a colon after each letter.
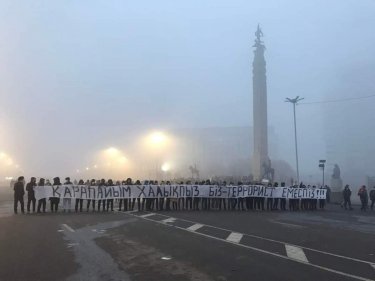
x: 235, y: 237
x: 295, y: 253
x: 146, y: 215
x: 169, y: 220
x: 68, y: 227
x: 258, y: 250
x: 195, y: 227
x: 272, y: 240
x: 373, y: 265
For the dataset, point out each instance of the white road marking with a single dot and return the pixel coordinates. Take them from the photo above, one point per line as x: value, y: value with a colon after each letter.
x: 68, y: 227
x: 235, y: 237
x: 277, y: 241
x: 373, y: 265
x: 195, y: 227
x: 146, y: 215
x: 263, y: 251
x: 169, y: 220
x: 288, y: 224
x: 295, y: 253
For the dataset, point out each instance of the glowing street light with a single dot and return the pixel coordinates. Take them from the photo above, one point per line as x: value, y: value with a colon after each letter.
x: 157, y: 139
x: 112, y: 151
x: 166, y: 167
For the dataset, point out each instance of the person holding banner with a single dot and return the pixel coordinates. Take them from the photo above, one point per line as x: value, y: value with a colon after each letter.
x: 89, y: 201
x: 42, y: 202
x: 110, y: 201
x: 67, y: 202
x: 123, y: 201
x: 283, y: 200
x: 269, y: 200
x: 79, y: 201
x: 101, y: 201
x: 55, y: 201
x: 275, y: 200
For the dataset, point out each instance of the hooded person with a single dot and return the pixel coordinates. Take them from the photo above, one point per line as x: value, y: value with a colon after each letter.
x: 41, y: 202
x: 31, y: 194
x: 19, y: 192
x: 55, y: 201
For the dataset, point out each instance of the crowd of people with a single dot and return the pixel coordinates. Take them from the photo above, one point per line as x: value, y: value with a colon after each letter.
x: 160, y: 204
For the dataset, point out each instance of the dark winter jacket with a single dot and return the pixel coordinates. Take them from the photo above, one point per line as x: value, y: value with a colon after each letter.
x: 19, y: 189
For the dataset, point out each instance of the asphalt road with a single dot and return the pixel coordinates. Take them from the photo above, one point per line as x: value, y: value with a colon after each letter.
x: 324, y: 245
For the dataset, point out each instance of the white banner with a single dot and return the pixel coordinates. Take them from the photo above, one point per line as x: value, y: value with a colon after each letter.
x: 175, y: 191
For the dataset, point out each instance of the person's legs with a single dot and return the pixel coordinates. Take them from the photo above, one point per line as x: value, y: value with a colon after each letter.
x: 44, y: 203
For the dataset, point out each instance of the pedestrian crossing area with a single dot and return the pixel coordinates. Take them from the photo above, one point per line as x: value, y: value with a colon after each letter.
x: 346, y: 266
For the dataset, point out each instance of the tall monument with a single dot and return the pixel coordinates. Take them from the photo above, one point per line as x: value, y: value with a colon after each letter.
x: 261, y: 162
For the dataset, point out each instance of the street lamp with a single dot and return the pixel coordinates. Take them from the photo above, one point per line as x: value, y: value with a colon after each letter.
x: 294, y: 102
x: 322, y: 164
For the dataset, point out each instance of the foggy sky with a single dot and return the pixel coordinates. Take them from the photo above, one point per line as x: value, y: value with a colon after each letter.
x: 78, y: 76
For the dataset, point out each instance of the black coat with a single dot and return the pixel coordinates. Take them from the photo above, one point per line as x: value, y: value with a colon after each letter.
x: 30, y: 189
x: 19, y: 190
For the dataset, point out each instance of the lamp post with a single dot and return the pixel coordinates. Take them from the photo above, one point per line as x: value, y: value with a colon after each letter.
x: 294, y: 102
x: 322, y: 164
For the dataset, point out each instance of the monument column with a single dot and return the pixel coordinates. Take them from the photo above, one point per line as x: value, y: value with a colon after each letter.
x: 261, y: 162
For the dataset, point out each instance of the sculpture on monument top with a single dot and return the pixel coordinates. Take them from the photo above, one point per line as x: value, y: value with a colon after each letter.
x: 258, y: 41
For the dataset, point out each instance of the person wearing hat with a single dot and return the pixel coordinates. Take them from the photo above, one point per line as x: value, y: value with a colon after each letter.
x: 67, y: 202
x: 55, y: 201
x: 19, y: 192
x: 41, y: 202
x: 31, y: 194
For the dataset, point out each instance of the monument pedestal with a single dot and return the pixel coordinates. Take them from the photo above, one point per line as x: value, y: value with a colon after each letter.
x: 336, y: 191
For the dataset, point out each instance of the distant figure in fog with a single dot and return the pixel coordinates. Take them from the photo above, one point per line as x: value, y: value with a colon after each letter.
x: 372, y: 198
x: 347, y: 193
x: 19, y: 192
x: 362, y: 193
x: 31, y: 194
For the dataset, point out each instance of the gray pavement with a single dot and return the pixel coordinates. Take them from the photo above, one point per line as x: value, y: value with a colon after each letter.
x: 333, y: 244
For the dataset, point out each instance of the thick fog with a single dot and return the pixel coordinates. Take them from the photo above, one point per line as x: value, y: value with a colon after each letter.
x: 118, y: 88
